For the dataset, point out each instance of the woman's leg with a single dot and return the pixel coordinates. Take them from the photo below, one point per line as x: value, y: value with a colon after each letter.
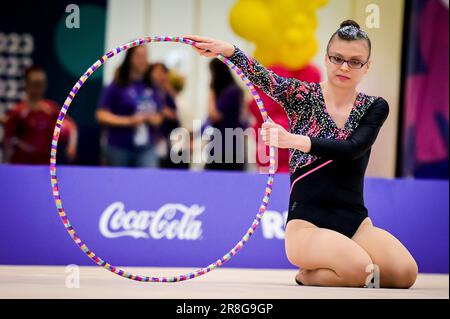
x: 326, y: 257
x: 396, y: 267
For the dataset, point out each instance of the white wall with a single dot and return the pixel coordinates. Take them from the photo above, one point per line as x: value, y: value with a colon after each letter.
x: 125, y: 21
x: 383, y: 79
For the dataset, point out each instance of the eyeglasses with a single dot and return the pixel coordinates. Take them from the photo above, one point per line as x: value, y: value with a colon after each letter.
x: 353, y: 64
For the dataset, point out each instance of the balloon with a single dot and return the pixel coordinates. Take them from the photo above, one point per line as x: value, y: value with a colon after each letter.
x: 257, y: 22
x: 283, y: 31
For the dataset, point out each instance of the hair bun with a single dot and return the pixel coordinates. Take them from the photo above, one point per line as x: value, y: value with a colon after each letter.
x: 349, y: 23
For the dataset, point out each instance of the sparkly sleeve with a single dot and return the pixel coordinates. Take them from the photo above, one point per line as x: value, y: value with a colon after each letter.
x: 288, y: 92
x: 359, y: 142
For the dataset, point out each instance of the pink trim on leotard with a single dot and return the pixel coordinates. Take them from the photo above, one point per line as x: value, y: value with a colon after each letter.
x: 300, y: 177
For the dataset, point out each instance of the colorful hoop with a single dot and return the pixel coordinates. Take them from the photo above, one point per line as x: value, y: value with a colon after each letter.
x: 54, y: 181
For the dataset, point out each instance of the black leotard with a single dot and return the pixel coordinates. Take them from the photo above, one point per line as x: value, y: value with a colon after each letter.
x: 332, y: 195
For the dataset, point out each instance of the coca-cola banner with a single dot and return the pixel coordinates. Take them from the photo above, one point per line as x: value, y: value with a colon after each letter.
x: 147, y: 217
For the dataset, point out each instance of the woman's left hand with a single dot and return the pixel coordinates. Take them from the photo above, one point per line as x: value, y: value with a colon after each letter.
x: 276, y: 135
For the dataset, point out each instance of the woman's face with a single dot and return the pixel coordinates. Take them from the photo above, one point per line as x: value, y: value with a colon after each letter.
x: 342, y: 75
x: 35, y: 84
x: 159, y: 76
x: 139, y: 60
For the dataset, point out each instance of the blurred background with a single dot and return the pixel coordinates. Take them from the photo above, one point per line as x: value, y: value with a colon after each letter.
x: 46, y: 46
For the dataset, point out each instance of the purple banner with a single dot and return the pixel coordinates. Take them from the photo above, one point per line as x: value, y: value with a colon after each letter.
x: 148, y: 217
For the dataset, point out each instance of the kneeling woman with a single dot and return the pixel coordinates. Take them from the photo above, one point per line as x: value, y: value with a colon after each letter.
x: 329, y: 235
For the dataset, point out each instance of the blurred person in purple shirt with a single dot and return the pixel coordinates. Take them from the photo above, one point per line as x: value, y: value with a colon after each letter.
x: 130, y: 109
x: 158, y: 76
x: 225, y: 110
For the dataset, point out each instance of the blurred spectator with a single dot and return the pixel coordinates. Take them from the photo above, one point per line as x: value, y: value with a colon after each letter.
x: 130, y: 109
x: 225, y: 109
x: 185, y: 110
x: 29, y: 126
x: 159, y: 77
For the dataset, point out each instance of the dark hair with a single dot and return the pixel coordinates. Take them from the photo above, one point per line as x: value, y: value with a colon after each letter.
x: 220, y: 76
x: 32, y: 69
x: 349, y: 30
x: 122, y: 74
x: 148, y: 74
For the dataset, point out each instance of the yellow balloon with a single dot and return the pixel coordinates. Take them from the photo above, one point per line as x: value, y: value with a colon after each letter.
x: 266, y: 56
x: 283, y: 31
x: 251, y: 20
x: 295, y: 35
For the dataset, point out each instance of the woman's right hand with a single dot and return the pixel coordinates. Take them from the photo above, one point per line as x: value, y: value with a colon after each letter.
x: 138, y: 119
x: 209, y: 47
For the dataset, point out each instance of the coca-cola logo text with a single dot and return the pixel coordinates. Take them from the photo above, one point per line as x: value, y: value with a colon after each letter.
x: 170, y: 221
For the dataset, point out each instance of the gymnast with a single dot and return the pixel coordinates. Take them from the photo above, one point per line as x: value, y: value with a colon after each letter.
x: 329, y: 235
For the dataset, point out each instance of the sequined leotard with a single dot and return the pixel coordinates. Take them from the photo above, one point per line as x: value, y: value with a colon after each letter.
x: 331, y: 196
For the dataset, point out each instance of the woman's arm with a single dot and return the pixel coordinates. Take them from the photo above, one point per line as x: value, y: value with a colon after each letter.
x: 106, y: 117
x: 104, y: 114
x: 355, y: 146
x: 281, y: 89
x: 71, y: 150
x: 359, y: 142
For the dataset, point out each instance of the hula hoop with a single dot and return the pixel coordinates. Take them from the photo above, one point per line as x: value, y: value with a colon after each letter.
x: 54, y: 181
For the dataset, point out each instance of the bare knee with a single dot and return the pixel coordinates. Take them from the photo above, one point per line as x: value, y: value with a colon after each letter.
x: 357, y: 272
x: 291, y: 252
x: 295, y: 245
x: 293, y: 259
x: 294, y: 256
x: 403, y: 275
